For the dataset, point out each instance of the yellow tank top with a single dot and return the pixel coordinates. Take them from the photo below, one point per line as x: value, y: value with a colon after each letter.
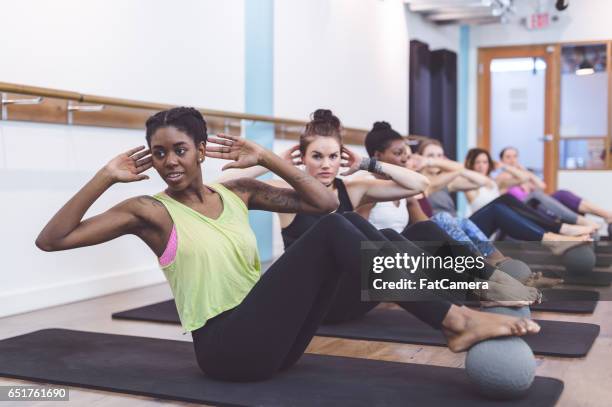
x: 216, y: 262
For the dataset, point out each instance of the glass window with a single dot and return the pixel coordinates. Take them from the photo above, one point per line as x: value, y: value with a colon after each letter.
x: 588, y: 154
x: 584, y: 91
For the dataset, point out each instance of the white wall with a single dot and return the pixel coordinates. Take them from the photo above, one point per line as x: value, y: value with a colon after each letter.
x: 189, y: 52
x: 350, y: 56
x: 437, y: 36
x: 150, y: 50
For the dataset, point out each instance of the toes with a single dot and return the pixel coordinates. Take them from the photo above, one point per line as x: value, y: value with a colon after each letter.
x: 522, y: 326
x: 533, y: 326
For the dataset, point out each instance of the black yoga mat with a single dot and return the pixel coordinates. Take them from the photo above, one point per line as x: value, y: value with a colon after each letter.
x: 164, y: 311
x: 167, y: 369
x: 533, y: 257
x: 603, y: 247
x: 568, y: 301
x: 556, y: 338
x: 564, y: 339
x: 593, y: 278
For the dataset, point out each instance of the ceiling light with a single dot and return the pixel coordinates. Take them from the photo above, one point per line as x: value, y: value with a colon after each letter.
x: 585, y: 68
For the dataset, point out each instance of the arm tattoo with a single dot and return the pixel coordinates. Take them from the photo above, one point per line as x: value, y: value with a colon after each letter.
x: 149, y: 201
x: 303, y: 178
x: 266, y: 197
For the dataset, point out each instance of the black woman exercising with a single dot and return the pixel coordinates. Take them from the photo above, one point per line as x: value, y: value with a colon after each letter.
x: 245, y: 326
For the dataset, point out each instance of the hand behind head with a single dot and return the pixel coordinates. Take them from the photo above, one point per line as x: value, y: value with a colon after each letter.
x: 129, y: 166
x: 243, y: 152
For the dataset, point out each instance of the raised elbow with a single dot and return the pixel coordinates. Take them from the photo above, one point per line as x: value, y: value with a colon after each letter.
x: 424, y: 183
x: 331, y: 204
x: 44, y: 244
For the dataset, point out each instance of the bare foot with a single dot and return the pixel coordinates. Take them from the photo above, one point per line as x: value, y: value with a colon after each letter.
x: 542, y: 282
x: 575, y: 230
x: 594, y: 227
x: 464, y: 327
x: 587, y: 222
x: 509, y: 292
x: 502, y: 277
x: 560, y: 244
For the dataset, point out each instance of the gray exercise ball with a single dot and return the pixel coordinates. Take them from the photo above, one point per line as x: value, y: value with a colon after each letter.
x: 579, y: 260
x: 516, y: 269
x: 519, y: 312
x: 501, y: 368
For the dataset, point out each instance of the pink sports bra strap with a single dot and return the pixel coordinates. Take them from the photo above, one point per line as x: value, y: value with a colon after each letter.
x: 170, y: 252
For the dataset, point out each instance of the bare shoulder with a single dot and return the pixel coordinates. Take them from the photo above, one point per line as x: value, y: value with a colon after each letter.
x: 146, y: 208
x: 143, y: 203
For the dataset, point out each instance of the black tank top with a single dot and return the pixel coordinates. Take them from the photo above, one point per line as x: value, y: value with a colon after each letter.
x: 302, y: 222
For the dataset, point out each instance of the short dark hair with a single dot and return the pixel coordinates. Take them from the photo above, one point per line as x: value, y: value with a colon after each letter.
x: 185, y: 119
x: 501, y: 153
x: 380, y: 137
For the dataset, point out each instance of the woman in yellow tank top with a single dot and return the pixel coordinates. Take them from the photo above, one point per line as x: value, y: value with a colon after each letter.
x: 244, y: 327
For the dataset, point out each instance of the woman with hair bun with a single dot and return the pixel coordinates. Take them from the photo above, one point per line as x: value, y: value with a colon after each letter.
x: 322, y: 153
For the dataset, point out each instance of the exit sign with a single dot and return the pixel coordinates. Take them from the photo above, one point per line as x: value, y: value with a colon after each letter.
x: 537, y: 21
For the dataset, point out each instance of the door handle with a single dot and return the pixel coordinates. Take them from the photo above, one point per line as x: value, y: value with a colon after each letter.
x: 546, y: 138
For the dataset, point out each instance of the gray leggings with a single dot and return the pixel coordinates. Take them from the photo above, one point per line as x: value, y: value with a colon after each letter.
x: 552, y: 206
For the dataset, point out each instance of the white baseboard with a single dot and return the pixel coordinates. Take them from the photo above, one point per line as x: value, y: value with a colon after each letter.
x: 31, y: 299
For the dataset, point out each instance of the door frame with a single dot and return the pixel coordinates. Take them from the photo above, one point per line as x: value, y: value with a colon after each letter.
x: 551, y: 55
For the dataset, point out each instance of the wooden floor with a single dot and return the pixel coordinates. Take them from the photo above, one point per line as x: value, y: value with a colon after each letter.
x: 588, y: 381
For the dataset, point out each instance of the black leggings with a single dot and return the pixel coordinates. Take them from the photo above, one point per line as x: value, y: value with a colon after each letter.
x: 428, y: 235
x: 347, y: 304
x: 271, y: 328
x: 527, y: 212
